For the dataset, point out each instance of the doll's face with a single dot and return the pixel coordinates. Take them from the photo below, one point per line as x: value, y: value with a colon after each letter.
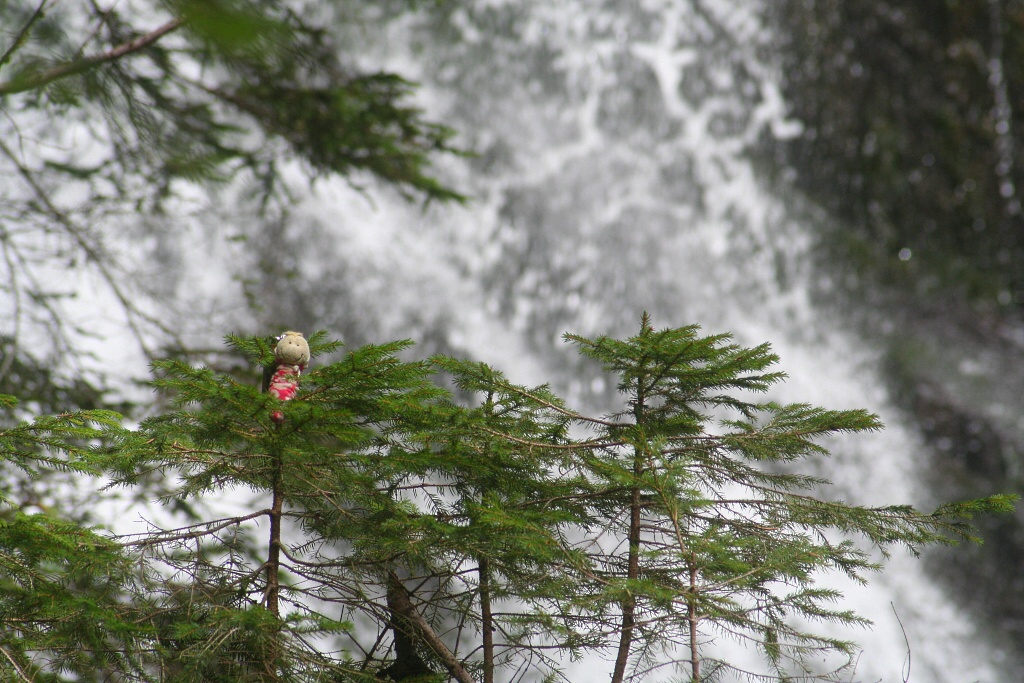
x: 292, y: 349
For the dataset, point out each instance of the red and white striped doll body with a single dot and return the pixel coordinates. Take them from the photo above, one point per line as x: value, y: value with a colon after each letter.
x: 291, y: 356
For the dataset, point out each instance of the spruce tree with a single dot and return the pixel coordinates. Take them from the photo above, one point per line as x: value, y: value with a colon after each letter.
x: 720, y: 535
x: 379, y: 526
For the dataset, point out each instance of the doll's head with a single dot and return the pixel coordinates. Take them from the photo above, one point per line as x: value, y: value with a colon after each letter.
x: 292, y: 349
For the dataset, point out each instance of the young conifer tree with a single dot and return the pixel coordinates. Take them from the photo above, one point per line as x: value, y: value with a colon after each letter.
x: 719, y: 535
x: 520, y: 500
x: 268, y: 594
x: 697, y: 529
x: 379, y: 529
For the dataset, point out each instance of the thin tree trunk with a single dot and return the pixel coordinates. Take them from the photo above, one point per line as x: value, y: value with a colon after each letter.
x: 629, y: 603
x: 633, y: 568
x: 487, y: 620
x: 271, y: 598
x: 694, y: 618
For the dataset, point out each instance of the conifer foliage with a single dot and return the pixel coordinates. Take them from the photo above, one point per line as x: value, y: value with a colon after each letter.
x: 388, y: 528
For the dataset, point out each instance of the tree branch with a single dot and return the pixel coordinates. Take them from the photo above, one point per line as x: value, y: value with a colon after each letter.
x: 17, y: 668
x: 78, y: 66
x: 189, y: 532
x: 92, y: 251
x: 23, y: 33
x: 398, y: 599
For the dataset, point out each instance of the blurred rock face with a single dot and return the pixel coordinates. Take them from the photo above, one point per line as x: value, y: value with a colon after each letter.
x: 912, y: 130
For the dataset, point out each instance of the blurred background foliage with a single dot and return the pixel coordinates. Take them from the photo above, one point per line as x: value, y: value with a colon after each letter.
x: 910, y: 143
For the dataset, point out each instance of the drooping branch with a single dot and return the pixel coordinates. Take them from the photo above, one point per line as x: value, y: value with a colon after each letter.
x: 92, y: 250
x: 83, y: 64
x: 18, y: 669
x: 189, y: 532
